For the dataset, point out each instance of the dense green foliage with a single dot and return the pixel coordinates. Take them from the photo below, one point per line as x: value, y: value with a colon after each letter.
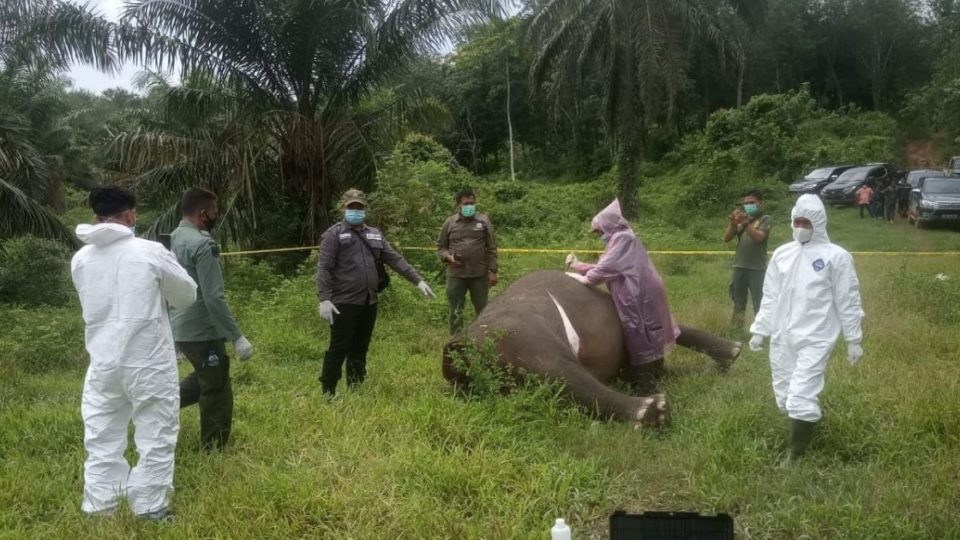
x: 34, y: 271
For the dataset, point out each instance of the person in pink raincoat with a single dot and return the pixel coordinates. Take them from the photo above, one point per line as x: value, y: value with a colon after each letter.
x: 637, y: 291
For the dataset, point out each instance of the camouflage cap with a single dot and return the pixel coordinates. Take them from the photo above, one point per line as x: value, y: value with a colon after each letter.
x: 354, y: 196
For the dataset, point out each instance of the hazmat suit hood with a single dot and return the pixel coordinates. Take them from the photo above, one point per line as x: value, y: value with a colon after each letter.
x: 102, y: 234
x: 610, y: 220
x: 811, y: 207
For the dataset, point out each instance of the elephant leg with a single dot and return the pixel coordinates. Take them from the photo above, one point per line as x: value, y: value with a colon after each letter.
x: 555, y: 361
x: 723, y: 351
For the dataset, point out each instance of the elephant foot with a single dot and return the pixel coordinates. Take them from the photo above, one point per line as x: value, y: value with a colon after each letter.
x: 654, y: 411
x: 725, y: 360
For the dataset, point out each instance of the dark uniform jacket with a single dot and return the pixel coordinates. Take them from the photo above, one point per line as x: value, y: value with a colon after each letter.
x: 346, y: 269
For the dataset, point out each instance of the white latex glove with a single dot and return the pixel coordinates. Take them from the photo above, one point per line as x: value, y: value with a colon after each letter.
x: 243, y: 348
x: 854, y: 353
x: 426, y: 290
x: 327, y: 311
x: 570, y: 260
x: 578, y: 277
x: 756, y: 343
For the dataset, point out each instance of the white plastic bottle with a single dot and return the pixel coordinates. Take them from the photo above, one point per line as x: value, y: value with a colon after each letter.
x: 560, y: 531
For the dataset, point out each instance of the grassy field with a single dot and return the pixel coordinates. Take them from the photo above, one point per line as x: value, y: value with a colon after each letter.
x: 404, y: 458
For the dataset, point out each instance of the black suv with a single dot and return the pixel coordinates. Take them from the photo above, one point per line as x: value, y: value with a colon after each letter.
x: 816, y: 179
x: 843, y: 190
x: 935, y: 200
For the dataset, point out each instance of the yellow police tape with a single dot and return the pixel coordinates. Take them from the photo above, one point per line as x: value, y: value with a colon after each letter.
x: 597, y: 251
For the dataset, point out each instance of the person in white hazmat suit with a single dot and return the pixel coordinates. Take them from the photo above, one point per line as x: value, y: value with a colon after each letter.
x: 123, y: 282
x: 810, y: 297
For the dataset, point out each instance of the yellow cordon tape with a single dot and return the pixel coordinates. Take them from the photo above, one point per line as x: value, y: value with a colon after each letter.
x: 597, y: 251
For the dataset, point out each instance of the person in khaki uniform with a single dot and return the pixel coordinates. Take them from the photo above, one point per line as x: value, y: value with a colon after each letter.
x: 468, y: 247
x: 348, y: 284
x: 201, y: 329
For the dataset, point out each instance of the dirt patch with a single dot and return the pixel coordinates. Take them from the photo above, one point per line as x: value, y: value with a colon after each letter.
x: 923, y: 154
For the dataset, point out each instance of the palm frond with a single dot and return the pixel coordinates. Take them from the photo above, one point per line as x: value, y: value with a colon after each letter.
x: 20, y: 215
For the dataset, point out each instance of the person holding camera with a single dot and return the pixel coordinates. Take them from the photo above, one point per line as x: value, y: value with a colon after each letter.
x: 751, y: 227
x: 468, y: 248
x: 350, y: 275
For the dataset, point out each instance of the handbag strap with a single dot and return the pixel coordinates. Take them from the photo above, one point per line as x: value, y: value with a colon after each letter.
x: 364, y: 240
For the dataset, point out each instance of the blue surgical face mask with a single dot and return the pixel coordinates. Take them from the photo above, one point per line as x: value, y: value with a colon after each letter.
x: 751, y: 209
x: 354, y: 217
x: 605, y: 238
x: 468, y: 210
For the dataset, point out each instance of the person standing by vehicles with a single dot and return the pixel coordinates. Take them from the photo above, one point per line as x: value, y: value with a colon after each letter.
x: 811, y: 296
x: 468, y: 247
x: 751, y: 227
x: 865, y: 200
x: 202, y: 329
x: 350, y: 275
x: 889, y: 201
x: 124, y: 283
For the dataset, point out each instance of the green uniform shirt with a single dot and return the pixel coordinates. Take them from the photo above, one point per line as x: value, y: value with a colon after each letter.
x: 209, y: 318
x: 752, y: 255
x: 473, y: 242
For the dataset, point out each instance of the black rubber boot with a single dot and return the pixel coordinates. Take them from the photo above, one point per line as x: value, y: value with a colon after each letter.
x: 644, y: 378
x: 801, y: 432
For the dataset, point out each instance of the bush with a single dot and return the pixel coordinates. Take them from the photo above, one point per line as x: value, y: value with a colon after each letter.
x: 415, y: 190
x: 34, y: 271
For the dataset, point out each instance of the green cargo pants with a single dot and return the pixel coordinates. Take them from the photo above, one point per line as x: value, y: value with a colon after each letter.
x: 745, y: 282
x: 457, y: 294
x: 209, y: 386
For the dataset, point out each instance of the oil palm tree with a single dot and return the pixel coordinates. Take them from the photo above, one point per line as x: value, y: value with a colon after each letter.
x: 638, y: 48
x: 302, y: 72
x: 38, y: 40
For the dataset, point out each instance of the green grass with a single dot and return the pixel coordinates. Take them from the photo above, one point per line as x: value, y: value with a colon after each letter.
x: 405, y: 458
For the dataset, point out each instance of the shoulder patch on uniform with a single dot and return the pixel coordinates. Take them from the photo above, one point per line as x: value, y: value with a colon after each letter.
x: 819, y: 265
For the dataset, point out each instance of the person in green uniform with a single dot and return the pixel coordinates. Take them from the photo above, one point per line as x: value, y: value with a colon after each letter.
x: 468, y: 247
x: 751, y: 227
x: 201, y: 330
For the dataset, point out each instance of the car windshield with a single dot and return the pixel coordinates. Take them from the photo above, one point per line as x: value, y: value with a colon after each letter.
x: 914, y: 177
x: 942, y: 185
x: 853, y: 176
x: 819, y: 174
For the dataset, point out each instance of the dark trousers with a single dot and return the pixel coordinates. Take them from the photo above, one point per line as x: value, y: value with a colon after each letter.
x: 868, y: 208
x: 745, y: 282
x: 209, y: 386
x: 349, y: 340
x: 889, y: 211
x: 457, y: 295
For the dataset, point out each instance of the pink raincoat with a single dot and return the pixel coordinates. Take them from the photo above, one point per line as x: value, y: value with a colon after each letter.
x: 635, y: 286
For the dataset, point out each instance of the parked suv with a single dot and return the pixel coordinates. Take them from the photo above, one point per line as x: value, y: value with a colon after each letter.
x: 816, y: 179
x: 843, y: 190
x: 936, y: 200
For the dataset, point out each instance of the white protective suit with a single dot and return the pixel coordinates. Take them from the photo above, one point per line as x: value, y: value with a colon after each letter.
x: 123, y: 282
x: 810, y: 295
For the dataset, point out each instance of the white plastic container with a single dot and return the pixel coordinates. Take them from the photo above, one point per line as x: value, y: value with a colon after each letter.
x: 560, y: 531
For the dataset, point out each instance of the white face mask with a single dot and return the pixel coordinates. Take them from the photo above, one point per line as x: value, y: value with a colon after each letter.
x: 802, y: 235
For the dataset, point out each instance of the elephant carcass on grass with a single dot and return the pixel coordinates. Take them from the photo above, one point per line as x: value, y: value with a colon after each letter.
x: 549, y: 325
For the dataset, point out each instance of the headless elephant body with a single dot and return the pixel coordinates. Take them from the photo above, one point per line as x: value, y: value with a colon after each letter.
x: 549, y: 325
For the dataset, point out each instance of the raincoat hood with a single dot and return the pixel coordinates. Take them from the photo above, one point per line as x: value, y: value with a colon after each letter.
x: 103, y: 233
x: 610, y: 219
x: 811, y: 207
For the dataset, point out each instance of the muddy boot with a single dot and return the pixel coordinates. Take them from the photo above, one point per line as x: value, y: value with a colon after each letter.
x: 801, y: 432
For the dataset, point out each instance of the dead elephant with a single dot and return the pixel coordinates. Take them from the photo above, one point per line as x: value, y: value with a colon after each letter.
x: 550, y: 325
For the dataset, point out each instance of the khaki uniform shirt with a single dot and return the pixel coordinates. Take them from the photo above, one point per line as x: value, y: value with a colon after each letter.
x: 472, y: 241
x: 209, y: 318
x: 346, y: 269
